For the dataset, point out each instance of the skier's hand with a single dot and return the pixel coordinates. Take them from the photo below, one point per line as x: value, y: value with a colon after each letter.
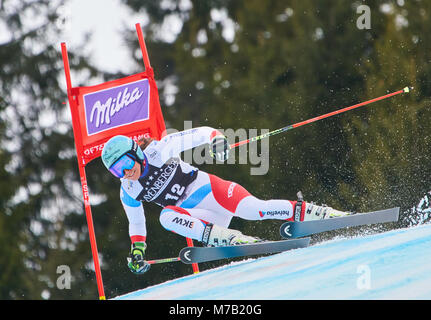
x: 135, y: 261
x: 219, y: 148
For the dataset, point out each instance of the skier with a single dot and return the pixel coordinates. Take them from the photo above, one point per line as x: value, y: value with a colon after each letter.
x: 196, y: 204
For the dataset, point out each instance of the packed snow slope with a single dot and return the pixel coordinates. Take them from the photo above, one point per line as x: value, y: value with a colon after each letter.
x: 391, y: 265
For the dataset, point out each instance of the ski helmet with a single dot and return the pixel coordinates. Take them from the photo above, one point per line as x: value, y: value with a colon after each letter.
x: 118, y: 146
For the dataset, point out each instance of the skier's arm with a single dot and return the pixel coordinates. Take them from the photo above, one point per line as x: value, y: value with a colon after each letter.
x: 136, y: 216
x: 175, y: 143
x: 138, y: 233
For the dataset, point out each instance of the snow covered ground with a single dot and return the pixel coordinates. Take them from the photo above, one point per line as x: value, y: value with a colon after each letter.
x: 391, y: 265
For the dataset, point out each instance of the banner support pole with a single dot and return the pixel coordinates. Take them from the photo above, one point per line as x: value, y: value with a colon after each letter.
x: 143, y: 47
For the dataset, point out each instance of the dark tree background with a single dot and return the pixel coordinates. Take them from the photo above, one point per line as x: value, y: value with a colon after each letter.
x: 231, y: 64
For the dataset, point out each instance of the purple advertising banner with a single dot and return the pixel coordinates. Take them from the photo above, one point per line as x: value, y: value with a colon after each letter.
x: 117, y: 106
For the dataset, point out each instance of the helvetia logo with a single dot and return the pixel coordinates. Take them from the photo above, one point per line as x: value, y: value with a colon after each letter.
x: 274, y: 213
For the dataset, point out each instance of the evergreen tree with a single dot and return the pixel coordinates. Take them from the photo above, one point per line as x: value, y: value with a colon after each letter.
x: 38, y: 161
x: 391, y: 140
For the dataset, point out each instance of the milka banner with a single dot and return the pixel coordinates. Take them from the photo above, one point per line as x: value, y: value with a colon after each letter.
x: 118, y: 106
x: 128, y: 106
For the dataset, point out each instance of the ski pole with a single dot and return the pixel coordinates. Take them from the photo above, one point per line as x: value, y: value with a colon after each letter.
x: 165, y: 260
x: 327, y: 115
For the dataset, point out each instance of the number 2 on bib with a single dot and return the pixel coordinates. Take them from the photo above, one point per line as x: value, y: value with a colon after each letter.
x: 176, y: 191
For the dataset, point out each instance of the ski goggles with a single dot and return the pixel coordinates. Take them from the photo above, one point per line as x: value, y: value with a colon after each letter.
x: 125, y: 162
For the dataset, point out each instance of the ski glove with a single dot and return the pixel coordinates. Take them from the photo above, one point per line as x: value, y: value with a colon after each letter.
x: 219, y: 148
x: 136, y: 262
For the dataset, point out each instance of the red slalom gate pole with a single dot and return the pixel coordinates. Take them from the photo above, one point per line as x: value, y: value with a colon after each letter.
x: 143, y: 46
x: 84, y: 185
x: 327, y: 115
x: 194, y: 265
x: 91, y: 233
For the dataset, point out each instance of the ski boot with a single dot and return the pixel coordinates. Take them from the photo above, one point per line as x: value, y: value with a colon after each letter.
x: 315, y: 212
x: 216, y: 236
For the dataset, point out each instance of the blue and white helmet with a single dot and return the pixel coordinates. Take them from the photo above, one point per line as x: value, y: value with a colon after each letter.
x: 118, y: 146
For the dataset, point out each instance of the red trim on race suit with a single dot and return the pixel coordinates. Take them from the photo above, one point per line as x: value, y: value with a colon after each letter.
x: 182, y: 211
x: 138, y: 238
x: 228, y: 194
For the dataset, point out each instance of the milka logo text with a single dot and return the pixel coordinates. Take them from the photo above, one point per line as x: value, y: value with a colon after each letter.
x: 102, y: 112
